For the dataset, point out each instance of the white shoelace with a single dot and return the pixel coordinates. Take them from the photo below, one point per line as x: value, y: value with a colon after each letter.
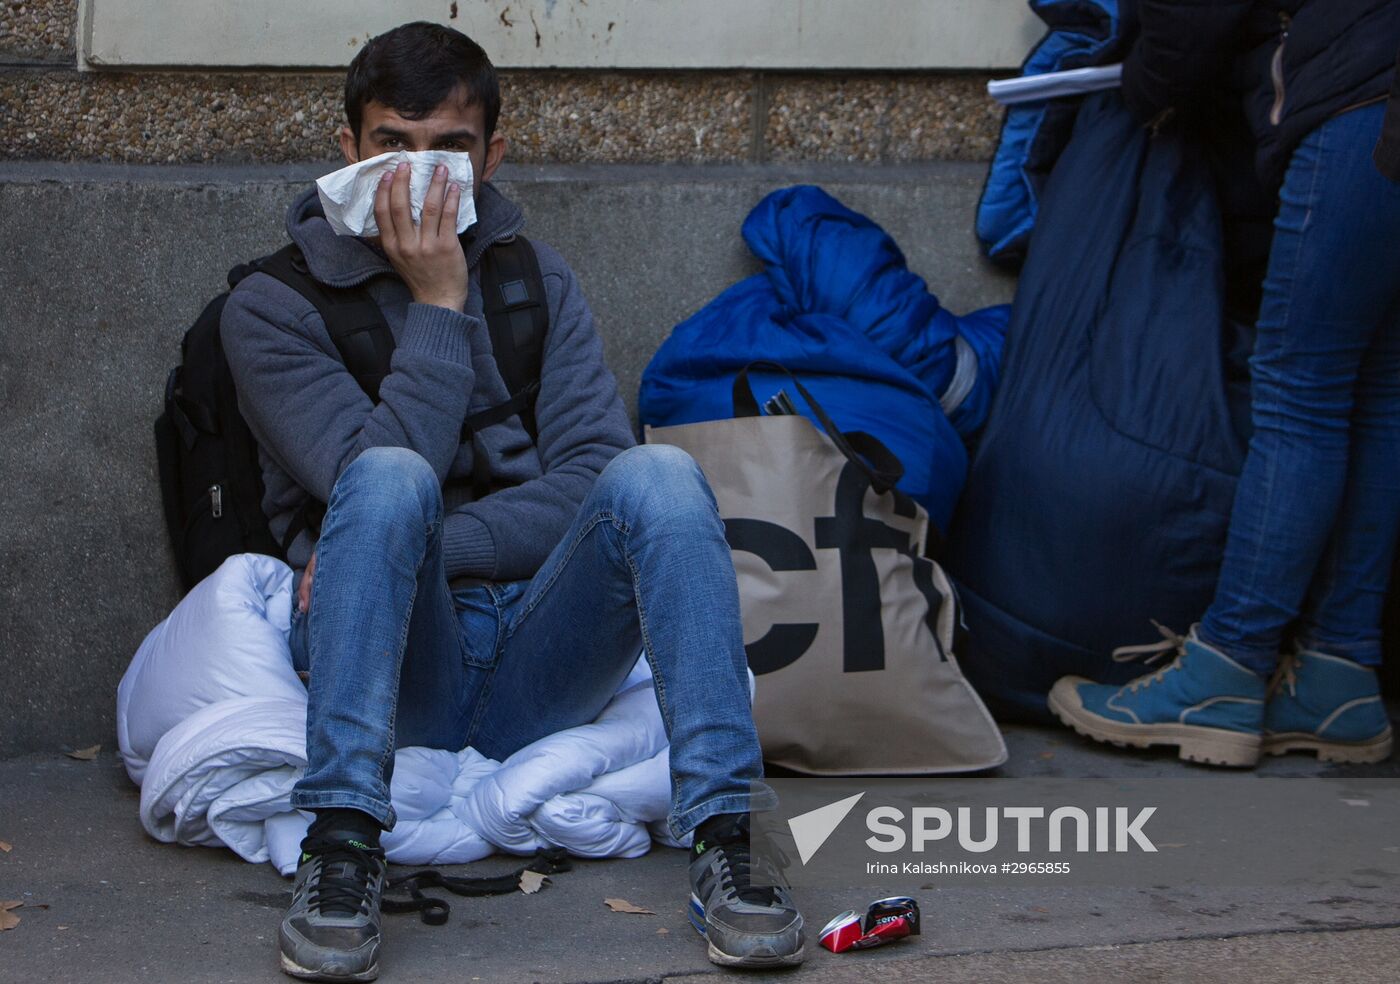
x: 1149, y: 653
x: 1287, y: 673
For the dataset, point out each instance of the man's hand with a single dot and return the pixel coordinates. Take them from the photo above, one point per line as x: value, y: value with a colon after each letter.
x: 304, y: 588
x: 428, y: 256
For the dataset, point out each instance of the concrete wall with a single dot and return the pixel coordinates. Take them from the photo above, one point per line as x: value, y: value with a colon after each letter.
x: 601, y: 108
x: 800, y: 34
x: 106, y: 266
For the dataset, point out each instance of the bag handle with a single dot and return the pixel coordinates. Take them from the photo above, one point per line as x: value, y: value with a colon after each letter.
x: 866, y: 451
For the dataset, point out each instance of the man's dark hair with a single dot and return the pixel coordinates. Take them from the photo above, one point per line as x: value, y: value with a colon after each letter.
x: 414, y: 67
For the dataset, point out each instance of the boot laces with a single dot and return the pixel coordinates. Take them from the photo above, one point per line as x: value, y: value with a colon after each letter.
x: 342, y: 886
x: 1150, y: 652
x: 1285, y: 675
x: 1171, y: 642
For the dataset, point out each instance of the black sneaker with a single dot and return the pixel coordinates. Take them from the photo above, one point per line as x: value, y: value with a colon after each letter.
x: 746, y: 926
x: 331, y: 931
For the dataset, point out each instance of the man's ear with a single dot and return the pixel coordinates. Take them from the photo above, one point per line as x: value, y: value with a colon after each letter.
x: 349, y: 146
x: 495, y: 153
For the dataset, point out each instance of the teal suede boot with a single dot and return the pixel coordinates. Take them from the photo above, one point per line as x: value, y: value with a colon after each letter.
x: 1203, y: 702
x: 1329, y: 706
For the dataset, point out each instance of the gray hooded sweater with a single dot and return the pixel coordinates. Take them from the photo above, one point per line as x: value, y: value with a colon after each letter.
x: 311, y: 419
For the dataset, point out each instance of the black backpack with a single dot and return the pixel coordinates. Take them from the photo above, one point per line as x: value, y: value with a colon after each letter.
x: 210, y: 477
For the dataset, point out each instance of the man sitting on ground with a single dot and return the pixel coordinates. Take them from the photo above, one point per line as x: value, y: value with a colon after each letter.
x: 431, y: 614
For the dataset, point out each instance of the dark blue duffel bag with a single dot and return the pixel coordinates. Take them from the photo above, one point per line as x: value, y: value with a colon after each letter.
x: 1101, y: 489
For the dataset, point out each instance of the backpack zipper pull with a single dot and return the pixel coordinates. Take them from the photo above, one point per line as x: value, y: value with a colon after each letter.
x: 216, y: 501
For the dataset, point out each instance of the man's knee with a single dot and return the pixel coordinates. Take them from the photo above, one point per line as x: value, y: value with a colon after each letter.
x: 654, y: 483
x: 388, y: 486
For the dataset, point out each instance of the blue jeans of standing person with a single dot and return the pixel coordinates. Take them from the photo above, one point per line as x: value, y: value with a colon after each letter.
x: 1317, y: 509
x: 398, y: 658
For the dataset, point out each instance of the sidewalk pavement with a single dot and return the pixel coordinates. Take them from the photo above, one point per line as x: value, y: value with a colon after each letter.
x: 121, y: 907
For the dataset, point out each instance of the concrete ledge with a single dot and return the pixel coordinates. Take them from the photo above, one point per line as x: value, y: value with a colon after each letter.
x: 108, y: 265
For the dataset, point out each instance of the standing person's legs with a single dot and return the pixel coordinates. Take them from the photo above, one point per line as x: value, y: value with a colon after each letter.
x: 1330, y: 289
x: 1327, y: 698
x: 1329, y: 296
x: 645, y: 566
x: 1343, y: 611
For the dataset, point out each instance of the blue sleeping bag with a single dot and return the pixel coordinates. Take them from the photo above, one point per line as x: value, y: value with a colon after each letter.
x: 1082, y: 33
x: 837, y: 305
x: 1102, y: 487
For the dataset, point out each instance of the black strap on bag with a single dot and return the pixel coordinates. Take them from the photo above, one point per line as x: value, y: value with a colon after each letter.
x: 517, y: 319
x: 866, y: 451
x: 352, y: 318
x: 434, y: 911
x: 356, y: 327
x: 876, y: 461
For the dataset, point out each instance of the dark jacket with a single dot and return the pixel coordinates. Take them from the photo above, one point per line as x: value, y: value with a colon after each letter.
x: 1388, y: 148
x: 1295, y: 63
x: 311, y: 418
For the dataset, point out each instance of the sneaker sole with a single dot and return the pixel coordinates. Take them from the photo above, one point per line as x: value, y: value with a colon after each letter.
x: 1377, y: 749
x: 719, y: 957
x: 1194, y: 742
x: 291, y: 967
x: 696, y: 912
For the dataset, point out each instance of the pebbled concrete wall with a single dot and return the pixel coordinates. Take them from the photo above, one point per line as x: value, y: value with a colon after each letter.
x: 105, y: 266
x: 49, y: 110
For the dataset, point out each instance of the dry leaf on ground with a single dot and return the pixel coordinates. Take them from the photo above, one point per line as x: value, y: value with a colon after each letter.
x: 663, y: 931
x: 85, y: 754
x: 8, y: 920
x: 532, y: 881
x: 6, y: 847
x: 622, y: 905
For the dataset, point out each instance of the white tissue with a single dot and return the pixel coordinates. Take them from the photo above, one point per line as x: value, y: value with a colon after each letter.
x: 347, y: 195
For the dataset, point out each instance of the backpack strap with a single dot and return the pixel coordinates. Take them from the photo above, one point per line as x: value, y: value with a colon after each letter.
x: 352, y: 318
x: 357, y: 329
x: 517, y: 319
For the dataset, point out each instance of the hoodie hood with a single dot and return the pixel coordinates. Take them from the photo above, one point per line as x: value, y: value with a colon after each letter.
x: 345, y: 261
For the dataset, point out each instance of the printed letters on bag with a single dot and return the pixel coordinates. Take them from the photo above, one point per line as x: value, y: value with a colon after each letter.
x: 856, y: 536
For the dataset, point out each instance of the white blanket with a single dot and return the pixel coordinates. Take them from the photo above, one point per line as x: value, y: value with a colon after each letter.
x: 211, y: 721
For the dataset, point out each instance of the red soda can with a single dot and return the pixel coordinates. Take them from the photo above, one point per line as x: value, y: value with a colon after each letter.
x: 885, y: 921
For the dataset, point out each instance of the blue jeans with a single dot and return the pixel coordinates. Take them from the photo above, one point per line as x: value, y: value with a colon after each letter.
x: 399, y: 658
x: 1317, y: 509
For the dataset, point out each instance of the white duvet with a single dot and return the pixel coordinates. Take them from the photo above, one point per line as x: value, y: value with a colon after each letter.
x: 211, y: 722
